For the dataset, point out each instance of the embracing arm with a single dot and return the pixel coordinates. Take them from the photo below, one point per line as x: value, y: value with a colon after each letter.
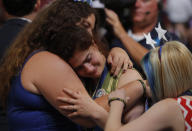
x: 166, y: 114
x: 50, y: 74
x: 129, y: 83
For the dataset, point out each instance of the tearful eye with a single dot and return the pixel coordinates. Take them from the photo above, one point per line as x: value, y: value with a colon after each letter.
x: 86, y: 25
x: 88, y: 59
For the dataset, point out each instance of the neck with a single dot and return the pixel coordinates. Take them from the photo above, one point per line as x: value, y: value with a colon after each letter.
x: 30, y: 17
x: 140, y: 28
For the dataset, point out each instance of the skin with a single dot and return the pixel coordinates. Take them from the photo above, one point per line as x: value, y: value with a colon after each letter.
x: 47, y: 74
x: 165, y: 115
x: 142, y: 23
x: 117, y: 56
x: 90, y: 63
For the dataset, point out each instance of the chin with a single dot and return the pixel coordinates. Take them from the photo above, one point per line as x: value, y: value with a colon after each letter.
x: 138, y: 19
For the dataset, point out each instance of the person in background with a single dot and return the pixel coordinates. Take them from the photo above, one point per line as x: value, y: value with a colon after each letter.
x: 2, y: 15
x: 144, y: 18
x: 168, y: 71
x: 179, y: 17
x: 16, y: 14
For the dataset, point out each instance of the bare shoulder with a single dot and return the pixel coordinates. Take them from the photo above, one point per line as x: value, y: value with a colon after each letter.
x: 47, y: 71
x: 128, y: 76
x: 46, y: 61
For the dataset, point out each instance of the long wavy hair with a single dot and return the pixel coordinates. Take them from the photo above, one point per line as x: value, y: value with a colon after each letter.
x: 168, y: 70
x: 36, y: 35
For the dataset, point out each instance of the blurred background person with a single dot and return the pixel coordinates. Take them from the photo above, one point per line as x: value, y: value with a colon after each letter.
x: 2, y: 15
x: 142, y: 17
x: 15, y: 14
x: 179, y: 14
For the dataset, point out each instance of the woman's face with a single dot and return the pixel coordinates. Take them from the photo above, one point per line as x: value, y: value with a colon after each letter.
x: 88, y: 63
x: 88, y: 23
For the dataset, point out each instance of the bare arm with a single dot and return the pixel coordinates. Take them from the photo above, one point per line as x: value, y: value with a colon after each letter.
x: 133, y: 88
x: 49, y: 74
x: 166, y: 114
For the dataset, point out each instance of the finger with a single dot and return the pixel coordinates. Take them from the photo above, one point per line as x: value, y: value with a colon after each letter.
x: 111, y: 14
x: 74, y: 114
x: 125, y: 66
x: 69, y: 108
x: 114, y: 64
x: 67, y: 100
x: 118, y: 68
x: 70, y: 93
x: 109, y: 21
x: 107, y: 12
x: 109, y: 59
x: 130, y: 64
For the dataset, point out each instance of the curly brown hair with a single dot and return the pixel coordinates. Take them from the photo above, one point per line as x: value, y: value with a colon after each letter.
x: 38, y: 35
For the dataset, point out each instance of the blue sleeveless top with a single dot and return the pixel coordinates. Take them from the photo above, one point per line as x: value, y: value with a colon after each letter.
x: 31, y: 112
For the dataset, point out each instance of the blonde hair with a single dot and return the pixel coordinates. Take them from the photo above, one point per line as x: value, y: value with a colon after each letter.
x: 171, y: 70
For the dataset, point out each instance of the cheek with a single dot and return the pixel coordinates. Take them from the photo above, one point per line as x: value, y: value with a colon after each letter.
x: 90, y: 31
x: 152, y: 7
x: 81, y: 73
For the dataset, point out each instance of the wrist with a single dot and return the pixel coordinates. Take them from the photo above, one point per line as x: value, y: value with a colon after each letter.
x: 122, y: 35
x: 117, y: 100
x: 99, y: 113
x: 117, y: 104
x: 144, y: 94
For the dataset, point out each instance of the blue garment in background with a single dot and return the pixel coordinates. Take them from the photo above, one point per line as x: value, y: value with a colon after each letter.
x: 154, y: 35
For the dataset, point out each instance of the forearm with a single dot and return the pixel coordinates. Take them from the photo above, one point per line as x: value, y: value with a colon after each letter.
x: 136, y: 51
x: 133, y: 90
x: 114, y: 118
x: 100, y: 116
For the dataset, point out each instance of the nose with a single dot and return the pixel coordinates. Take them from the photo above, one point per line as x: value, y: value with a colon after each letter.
x: 89, y: 68
x: 90, y: 31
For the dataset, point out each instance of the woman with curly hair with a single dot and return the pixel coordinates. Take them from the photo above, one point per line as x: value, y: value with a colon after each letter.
x: 34, y: 71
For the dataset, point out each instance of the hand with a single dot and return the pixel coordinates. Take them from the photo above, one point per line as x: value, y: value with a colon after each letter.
x: 113, y: 19
x: 79, y: 104
x: 118, y: 58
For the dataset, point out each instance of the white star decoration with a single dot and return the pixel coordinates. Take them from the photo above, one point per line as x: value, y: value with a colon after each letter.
x: 149, y: 40
x: 161, y: 32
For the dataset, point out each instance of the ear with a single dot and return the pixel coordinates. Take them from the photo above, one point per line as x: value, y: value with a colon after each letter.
x: 37, y: 6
